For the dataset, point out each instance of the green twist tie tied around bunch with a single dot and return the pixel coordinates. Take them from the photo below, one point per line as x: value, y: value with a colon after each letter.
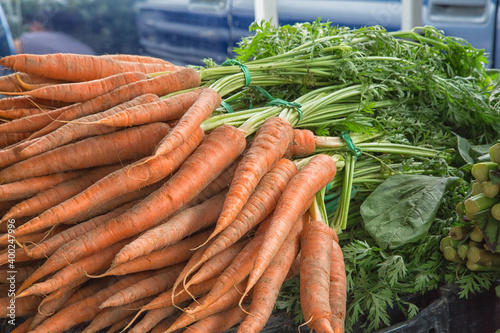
x: 281, y: 102
x: 244, y: 69
x: 350, y: 144
x: 226, y: 106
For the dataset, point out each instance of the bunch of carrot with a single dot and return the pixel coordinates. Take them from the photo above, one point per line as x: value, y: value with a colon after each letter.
x: 120, y: 210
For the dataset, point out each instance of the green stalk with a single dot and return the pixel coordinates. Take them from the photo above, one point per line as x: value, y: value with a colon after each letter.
x: 462, y: 251
x: 481, y: 268
x: 494, y: 153
x: 478, y: 203
x: 451, y: 254
x: 476, y: 235
x: 476, y: 188
x: 448, y: 242
x: 340, y: 218
x: 489, y: 189
x: 460, y: 232
x: 483, y: 257
x: 480, y: 171
x: 495, y: 211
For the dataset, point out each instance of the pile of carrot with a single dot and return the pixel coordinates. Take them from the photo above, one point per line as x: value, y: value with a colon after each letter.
x: 119, y: 212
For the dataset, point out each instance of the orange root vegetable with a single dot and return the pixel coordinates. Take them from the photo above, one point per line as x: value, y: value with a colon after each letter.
x: 294, y: 269
x: 168, y: 256
x: 23, y: 327
x: 84, y: 310
x: 158, y: 282
x: 153, y: 317
x: 21, y: 81
x: 225, y: 302
x: 35, y: 237
x: 204, y: 105
x: 174, y: 229
x: 316, y: 245
x: 270, y: 143
x: 28, y: 187
x: 223, y: 145
x: 128, y: 144
x: 304, y: 143
x: 23, y: 102
x: 265, y: 291
x: 181, y: 79
x: 125, y: 180
x: 24, y: 307
x: 110, y: 316
x: 237, y: 271
x: 120, y: 325
x: 22, y: 273
x: 57, y: 194
x: 89, y: 265
x: 10, y: 155
x: 85, y: 67
x: 20, y: 113
x: 218, y: 322
x: 338, y: 289
x: 82, y: 91
x: 48, y: 247
x: 260, y: 204
x: 163, y: 110
x: 293, y: 203
x: 136, y: 58
x: 7, y: 139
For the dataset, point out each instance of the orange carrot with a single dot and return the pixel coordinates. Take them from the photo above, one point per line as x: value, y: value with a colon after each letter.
x: 218, y: 322
x: 20, y: 113
x: 110, y: 316
x: 31, y: 186
x: 270, y: 143
x: 260, y: 204
x: 10, y: 155
x: 57, y: 194
x: 304, y: 143
x: 338, y: 289
x: 21, y: 274
x: 23, y: 327
x: 22, y: 102
x: 23, y: 307
x: 225, y: 302
x: 170, y: 255
x: 76, y: 67
x: 223, y: 145
x: 48, y: 247
x: 294, y: 202
x: 84, y: 310
x: 128, y: 144
x: 119, y: 325
x: 136, y: 58
x: 204, y: 105
x: 35, y: 237
x: 125, y: 180
x: 316, y: 244
x: 294, y: 269
x: 173, y: 229
x: 153, y: 317
x: 7, y: 139
x: 83, y: 91
x: 89, y: 265
x: 181, y: 79
x: 163, y: 110
x: 34, y: 122
x: 238, y: 270
x: 21, y: 81
x: 158, y: 282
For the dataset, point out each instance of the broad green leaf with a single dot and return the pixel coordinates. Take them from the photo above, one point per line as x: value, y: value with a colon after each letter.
x: 402, y: 208
x: 490, y: 228
x: 464, y: 148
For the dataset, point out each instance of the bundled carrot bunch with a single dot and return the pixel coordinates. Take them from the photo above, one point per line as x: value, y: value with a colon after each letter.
x: 127, y: 213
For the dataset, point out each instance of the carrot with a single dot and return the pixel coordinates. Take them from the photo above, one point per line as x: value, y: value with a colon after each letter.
x: 174, y: 229
x: 170, y: 255
x: 338, y: 289
x: 89, y: 265
x: 20, y: 113
x: 21, y: 274
x: 23, y: 327
x: 31, y: 186
x: 83, y: 127
x: 294, y: 202
x: 76, y: 67
x: 181, y: 79
x: 237, y: 271
x: 225, y: 302
x: 48, y: 247
x: 216, y: 264
x: 84, y: 310
x: 163, y: 110
x: 22, y: 307
x: 82, y: 91
x: 125, y: 180
x: 88, y: 289
x: 304, y: 143
x: 260, y: 204
x: 34, y: 237
x: 153, y: 317
x: 136, y: 58
x: 22, y: 81
x: 119, y: 325
x: 22, y: 102
x: 158, y: 282
x: 316, y: 244
x: 7, y: 139
x: 124, y: 145
x: 110, y: 316
x: 270, y: 143
x: 223, y: 145
x: 10, y: 155
x: 204, y: 105
x: 218, y: 322
x: 57, y: 194
x: 294, y: 269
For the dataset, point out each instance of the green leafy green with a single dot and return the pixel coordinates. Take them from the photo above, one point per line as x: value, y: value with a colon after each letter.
x: 402, y: 208
x: 490, y: 228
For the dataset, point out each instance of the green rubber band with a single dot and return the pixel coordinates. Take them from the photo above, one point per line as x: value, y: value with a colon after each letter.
x: 244, y: 69
x: 226, y: 106
x: 281, y: 102
x: 350, y: 144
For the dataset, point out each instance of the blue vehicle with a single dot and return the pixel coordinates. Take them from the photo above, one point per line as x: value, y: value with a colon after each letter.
x: 187, y: 31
